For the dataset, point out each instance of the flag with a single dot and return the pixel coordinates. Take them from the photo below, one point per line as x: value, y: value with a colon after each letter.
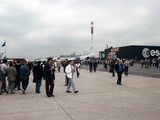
x: 4, y: 44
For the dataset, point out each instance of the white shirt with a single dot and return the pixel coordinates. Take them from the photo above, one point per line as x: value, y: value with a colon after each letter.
x: 78, y: 66
x: 4, y: 67
x: 68, y: 71
x: 126, y: 63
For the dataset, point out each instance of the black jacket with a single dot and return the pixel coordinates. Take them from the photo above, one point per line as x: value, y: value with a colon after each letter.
x: 48, y: 74
x: 37, y: 72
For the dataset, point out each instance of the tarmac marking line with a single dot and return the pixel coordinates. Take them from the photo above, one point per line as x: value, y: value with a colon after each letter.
x: 65, y: 111
x: 54, y: 112
x: 61, y: 107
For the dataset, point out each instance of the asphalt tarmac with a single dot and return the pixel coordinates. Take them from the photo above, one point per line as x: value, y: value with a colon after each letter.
x: 99, y: 98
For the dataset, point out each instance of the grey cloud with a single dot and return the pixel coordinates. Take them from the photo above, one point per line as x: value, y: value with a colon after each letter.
x: 52, y: 27
x: 17, y: 22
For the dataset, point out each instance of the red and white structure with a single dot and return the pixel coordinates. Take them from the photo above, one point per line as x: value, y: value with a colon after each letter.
x: 92, y: 35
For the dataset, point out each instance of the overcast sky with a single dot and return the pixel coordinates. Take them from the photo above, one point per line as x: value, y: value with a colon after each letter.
x: 42, y: 28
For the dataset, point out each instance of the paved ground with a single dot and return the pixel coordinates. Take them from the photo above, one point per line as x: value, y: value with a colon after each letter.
x: 99, y: 99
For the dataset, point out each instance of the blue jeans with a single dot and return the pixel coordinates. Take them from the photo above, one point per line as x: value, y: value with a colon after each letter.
x: 38, y: 85
x: 119, y: 77
x: 25, y: 84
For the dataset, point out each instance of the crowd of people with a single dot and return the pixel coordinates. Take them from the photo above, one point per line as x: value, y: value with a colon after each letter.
x: 118, y: 65
x: 15, y: 75
x: 91, y: 65
x: 122, y: 66
x: 147, y: 63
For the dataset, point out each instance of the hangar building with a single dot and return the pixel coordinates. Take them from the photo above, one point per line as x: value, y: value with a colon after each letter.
x: 136, y: 52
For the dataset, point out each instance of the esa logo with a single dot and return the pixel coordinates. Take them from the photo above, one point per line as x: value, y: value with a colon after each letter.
x: 155, y: 53
x: 147, y: 53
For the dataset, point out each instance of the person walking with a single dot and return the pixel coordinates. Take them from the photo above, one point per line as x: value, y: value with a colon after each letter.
x: 70, y: 74
x: 78, y: 65
x: 37, y: 76
x: 126, y: 67
x: 11, y: 75
x: 2, y: 76
x: 66, y: 78
x: 142, y: 63
x: 64, y: 64
x: 157, y: 63
x: 24, y: 77
x: 49, y: 77
x: 95, y: 65
x: 112, y: 67
x: 4, y: 67
x: 59, y: 65
x: 106, y: 64
x: 90, y: 65
x: 17, y: 82
x: 119, y: 70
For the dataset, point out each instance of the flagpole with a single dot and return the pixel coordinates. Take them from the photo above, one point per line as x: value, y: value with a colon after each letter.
x: 5, y: 50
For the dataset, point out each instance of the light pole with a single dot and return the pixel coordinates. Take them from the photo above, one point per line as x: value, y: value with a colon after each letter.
x: 92, y: 35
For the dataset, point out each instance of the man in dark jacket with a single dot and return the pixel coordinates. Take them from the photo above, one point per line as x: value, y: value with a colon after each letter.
x: 112, y: 67
x: 119, y: 70
x: 37, y: 76
x: 90, y: 65
x: 49, y: 76
x: 24, y: 77
x: 95, y: 65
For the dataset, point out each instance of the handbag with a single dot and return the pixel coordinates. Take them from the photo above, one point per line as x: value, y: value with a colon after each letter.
x: 111, y: 70
x: 26, y: 77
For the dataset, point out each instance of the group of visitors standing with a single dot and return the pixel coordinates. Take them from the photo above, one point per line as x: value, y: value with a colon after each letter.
x: 93, y: 65
x: 17, y: 74
x: 147, y: 63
